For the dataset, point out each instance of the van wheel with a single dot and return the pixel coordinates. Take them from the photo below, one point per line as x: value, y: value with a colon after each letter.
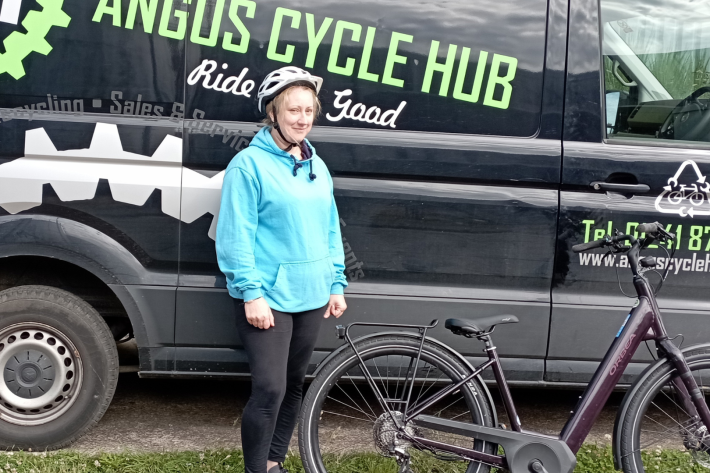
x: 59, y: 368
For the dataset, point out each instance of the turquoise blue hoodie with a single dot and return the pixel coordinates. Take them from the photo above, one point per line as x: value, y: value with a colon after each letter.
x: 278, y: 233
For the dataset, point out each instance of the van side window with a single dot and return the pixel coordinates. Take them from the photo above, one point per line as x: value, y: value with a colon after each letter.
x: 656, y: 63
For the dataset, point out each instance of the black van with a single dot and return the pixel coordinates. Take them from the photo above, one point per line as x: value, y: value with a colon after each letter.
x: 472, y: 143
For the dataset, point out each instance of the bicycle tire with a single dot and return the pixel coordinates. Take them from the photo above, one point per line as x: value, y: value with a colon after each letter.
x: 675, y: 197
x: 654, y: 422
x: 338, y: 368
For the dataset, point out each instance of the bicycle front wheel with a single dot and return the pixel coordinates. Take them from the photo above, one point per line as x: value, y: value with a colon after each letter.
x: 658, y: 435
x: 341, y: 413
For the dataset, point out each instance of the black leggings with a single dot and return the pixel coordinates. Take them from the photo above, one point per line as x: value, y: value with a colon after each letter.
x: 278, y: 360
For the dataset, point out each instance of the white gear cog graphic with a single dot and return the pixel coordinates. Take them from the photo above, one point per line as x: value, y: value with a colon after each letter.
x: 74, y: 175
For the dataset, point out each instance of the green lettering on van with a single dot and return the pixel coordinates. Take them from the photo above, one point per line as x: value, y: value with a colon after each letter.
x: 362, y: 72
x: 103, y: 9
x: 599, y: 233
x: 148, y: 10
x: 340, y: 27
x: 271, y: 53
x: 459, y: 94
x: 587, y: 226
x: 446, y: 69
x: 494, y: 79
x: 630, y: 227
x: 394, y: 58
x: 237, y: 22
x: 211, y: 40
x: 181, y: 16
x: 315, y: 37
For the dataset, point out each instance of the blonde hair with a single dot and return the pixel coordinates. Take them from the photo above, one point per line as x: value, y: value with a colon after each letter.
x: 275, y: 105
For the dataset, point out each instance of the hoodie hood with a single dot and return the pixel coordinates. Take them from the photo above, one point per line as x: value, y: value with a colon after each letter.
x: 265, y: 141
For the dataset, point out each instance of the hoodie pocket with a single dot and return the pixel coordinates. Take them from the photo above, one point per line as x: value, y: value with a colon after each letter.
x: 302, y: 285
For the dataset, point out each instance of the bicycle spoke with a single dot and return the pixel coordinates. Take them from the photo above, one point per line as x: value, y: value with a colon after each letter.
x: 388, y: 378
x: 347, y: 405
x: 668, y: 415
x: 416, y: 401
x: 442, y: 410
x: 399, y: 375
x: 356, y: 404
x: 380, y: 376
x: 459, y: 415
x: 349, y: 417
x: 361, y: 395
x: 675, y: 403
x: 655, y: 439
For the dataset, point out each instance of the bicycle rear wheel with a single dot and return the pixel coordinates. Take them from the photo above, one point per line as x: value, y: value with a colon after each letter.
x: 658, y: 435
x: 341, y: 414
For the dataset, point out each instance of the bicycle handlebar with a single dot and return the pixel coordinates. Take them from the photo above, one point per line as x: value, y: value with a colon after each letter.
x: 655, y: 230
x: 589, y: 246
x: 606, y: 241
x: 649, y: 227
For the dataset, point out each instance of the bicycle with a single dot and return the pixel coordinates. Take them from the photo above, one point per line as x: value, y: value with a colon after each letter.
x: 696, y: 197
x: 417, y: 375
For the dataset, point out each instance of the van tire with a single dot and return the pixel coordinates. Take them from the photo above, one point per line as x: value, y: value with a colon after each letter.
x: 43, y: 320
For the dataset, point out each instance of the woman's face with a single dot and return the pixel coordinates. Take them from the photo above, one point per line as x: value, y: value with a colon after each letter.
x: 296, y: 115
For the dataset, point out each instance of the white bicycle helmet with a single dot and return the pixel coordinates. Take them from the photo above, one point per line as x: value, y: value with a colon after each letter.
x: 279, y: 79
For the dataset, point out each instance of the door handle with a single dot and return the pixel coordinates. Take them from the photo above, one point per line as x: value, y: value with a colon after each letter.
x: 614, y: 187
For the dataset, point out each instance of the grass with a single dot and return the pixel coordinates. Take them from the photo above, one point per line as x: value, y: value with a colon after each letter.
x: 591, y: 459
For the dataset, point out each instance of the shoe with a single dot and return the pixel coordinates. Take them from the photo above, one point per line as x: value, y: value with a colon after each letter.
x: 277, y: 469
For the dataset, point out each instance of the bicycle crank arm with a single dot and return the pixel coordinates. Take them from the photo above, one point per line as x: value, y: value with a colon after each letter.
x: 525, y: 452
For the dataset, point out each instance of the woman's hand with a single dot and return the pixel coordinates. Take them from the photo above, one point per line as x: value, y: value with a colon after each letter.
x: 336, y: 306
x: 259, y: 313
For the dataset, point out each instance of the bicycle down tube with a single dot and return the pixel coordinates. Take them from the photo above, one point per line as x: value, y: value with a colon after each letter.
x: 643, y: 323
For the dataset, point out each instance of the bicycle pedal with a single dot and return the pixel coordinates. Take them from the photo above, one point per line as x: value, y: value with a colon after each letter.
x: 503, y: 426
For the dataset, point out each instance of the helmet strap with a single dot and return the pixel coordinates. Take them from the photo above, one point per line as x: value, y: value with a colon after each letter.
x: 290, y: 143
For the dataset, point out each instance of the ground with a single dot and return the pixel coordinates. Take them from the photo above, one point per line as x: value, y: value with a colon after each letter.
x: 149, y: 415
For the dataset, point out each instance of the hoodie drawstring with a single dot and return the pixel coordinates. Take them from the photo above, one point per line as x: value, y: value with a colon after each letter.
x: 305, y: 151
x: 297, y: 166
x: 310, y: 167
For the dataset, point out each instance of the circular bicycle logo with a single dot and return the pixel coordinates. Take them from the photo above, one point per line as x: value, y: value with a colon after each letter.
x: 37, y: 23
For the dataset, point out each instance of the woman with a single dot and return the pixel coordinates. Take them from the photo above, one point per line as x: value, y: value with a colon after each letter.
x: 279, y: 245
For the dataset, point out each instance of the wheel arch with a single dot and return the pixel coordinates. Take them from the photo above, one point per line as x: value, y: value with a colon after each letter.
x: 455, y: 354
x: 75, y: 245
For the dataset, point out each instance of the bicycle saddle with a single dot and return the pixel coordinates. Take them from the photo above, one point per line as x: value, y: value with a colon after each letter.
x: 478, y: 325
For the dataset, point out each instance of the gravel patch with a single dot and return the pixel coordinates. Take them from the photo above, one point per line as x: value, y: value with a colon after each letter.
x: 155, y: 415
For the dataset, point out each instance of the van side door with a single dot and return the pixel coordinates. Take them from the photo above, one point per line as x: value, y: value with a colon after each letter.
x: 636, y: 149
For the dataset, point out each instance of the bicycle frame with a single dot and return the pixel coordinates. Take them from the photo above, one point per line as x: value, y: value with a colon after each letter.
x: 643, y: 323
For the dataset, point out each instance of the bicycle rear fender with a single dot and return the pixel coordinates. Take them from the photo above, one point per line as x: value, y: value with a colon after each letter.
x: 623, y: 408
x: 434, y: 341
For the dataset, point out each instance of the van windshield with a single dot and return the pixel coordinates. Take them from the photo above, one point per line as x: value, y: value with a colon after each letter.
x: 657, y: 63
